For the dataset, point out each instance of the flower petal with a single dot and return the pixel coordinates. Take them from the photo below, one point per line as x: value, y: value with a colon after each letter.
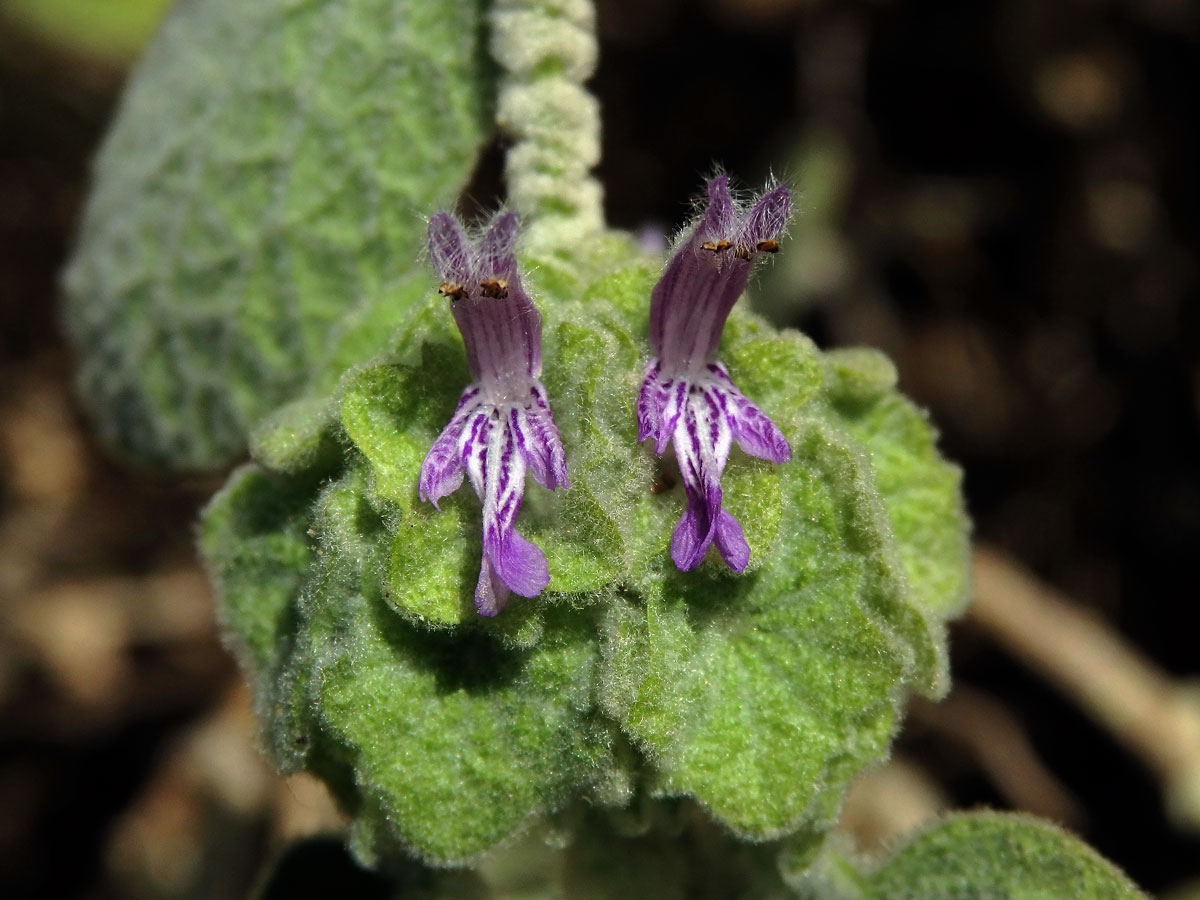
x: 520, y: 565
x: 682, y: 271
x: 690, y: 539
x: 497, y: 252
x: 687, y: 397
x: 500, y: 481
x: 442, y: 469
x: 707, y: 274
x: 720, y: 216
x: 768, y: 216
x: 758, y: 435
x: 697, y: 527
x: 539, y: 441
x: 502, y: 337
x: 449, y: 249
x: 491, y: 595
x: 651, y: 403
x: 702, y: 442
x: 731, y: 541
x: 473, y: 445
x: 513, y: 564
x: 503, y: 424
x: 751, y: 427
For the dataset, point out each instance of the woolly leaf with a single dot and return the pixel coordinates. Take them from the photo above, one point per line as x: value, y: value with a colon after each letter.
x: 760, y: 695
x: 256, y: 215
x: 921, y: 491
x: 254, y: 538
x: 983, y: 856
x: 454, y: 739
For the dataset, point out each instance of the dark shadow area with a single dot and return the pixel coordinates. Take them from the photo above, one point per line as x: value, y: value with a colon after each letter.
x: 319, y: 868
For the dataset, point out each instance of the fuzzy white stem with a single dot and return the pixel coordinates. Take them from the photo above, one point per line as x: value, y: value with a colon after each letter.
x: 546, y: 49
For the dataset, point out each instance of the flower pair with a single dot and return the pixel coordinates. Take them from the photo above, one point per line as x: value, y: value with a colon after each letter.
x: 503, y: 425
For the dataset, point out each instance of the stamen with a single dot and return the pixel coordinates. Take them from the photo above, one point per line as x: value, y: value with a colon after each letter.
x: 494, y: 288
x: 716, y: 246
x: 768, y: 246
x: 452, y: 290
x: 743, y: 251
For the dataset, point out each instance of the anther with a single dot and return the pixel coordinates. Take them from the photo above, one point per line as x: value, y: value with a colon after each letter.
x: 768, y: 246
x: 716, y: 246
x: 495, y: 288
x: 452, y: 290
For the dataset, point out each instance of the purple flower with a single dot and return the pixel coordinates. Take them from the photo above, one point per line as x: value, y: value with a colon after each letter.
x: 503, y: 424
x: 687, y: 395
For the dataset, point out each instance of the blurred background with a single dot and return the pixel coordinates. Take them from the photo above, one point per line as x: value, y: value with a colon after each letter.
x: 1004, y: 195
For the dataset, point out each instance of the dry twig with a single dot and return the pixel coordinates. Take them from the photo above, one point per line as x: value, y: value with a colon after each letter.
x: 1152, y: 715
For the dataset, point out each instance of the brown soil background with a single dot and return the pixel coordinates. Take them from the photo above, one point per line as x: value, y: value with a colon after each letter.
x: 1003, y: 195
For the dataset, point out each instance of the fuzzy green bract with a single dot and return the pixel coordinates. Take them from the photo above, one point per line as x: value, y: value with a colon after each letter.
x: 257, y: 207
x: 626, y: 683
x: 976, y: 856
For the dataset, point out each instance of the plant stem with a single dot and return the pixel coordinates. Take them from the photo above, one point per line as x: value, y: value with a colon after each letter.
x: 546, y: 49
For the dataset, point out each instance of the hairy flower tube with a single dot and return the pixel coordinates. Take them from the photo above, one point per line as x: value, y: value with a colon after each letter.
x: 503, y: 424
x: 688, y: 397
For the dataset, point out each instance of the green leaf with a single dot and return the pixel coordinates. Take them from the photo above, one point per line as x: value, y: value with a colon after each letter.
x: 393, y: 411
x: 921, y: 491
x: 989, y: 856
x: 254, y: 537
x: 299, y: 436
x: 455, y: 740
x: 256, y: 216
x: 751, y: 693
x: 760, y: 695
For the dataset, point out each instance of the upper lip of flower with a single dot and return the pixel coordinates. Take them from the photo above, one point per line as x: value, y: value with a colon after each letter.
x: 688, y: 396
x: 708, y: 272
x: 503, y: 424
x: 501, y: 328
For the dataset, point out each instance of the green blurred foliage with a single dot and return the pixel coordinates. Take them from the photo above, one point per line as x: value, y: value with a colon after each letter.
x: 257, y: 210
x: 112, y: 31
